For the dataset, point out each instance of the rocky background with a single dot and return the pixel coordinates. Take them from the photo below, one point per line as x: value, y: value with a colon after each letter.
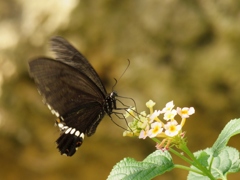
x: 185, y: 51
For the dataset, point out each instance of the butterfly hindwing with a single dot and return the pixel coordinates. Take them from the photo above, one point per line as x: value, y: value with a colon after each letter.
x: 73, y: 135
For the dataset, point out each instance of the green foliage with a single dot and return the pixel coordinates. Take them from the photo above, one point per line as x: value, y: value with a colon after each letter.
x: 231, y: 129
x: 155, y: 164
x: 212, y: 163
x: 227, y: 161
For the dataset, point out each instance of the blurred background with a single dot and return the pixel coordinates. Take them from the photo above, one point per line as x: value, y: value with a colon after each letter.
x: 185, y: 51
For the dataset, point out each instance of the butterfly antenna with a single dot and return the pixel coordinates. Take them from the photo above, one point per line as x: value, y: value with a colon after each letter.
x: 116, y: 81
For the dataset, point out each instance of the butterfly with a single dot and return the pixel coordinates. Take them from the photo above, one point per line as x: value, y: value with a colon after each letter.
x: 73, y: 91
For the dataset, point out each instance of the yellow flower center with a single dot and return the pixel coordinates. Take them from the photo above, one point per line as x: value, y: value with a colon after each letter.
x: 172, y: 128
x: 156, y: 129
x: 184, y: 111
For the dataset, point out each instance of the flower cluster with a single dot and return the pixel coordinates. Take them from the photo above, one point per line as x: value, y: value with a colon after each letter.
x: 149, y: 125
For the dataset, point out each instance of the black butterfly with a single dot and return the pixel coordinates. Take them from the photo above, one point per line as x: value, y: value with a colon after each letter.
x: 73, y: 91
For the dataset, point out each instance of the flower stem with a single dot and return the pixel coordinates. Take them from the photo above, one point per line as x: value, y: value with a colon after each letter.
x: 195, y: 162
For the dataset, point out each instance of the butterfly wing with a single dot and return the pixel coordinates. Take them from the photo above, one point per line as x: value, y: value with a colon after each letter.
x: 72, y: 138
x: 65, y: 90
x: 72, y: 96
x: 67, y: 54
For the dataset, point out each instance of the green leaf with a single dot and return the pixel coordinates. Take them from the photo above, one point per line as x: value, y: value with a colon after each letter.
x: 203, y: 158
x: 155, y: 164
x: 226, y: 162
x: 231, y: 129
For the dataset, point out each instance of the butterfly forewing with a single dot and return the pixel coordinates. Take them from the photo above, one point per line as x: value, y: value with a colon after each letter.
x: 66, y: 53
x: 63, y: 87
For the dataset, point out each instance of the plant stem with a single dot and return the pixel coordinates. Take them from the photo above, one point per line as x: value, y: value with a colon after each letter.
x: 180, y: 155
x: 195, y: 162
x: 188, y: 169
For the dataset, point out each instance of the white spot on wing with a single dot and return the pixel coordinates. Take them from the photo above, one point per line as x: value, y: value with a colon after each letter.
x: 60, y: 125
x: 72, y: 131
x: 49, y: 107
x: 53, y: 111
x: 68, y: 130
x: 39, y: 92
x: 57, y: 114
x: 82, y: 135
x: 65, y: 127
x: 77, y: 133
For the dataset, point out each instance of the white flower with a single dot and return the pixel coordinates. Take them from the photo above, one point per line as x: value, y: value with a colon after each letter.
x: 154, y: 115
x: 169, y: 115
x: 172, y: 128
x: 156, y: 128
x: 169, y: 106
x: 185, y: 112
